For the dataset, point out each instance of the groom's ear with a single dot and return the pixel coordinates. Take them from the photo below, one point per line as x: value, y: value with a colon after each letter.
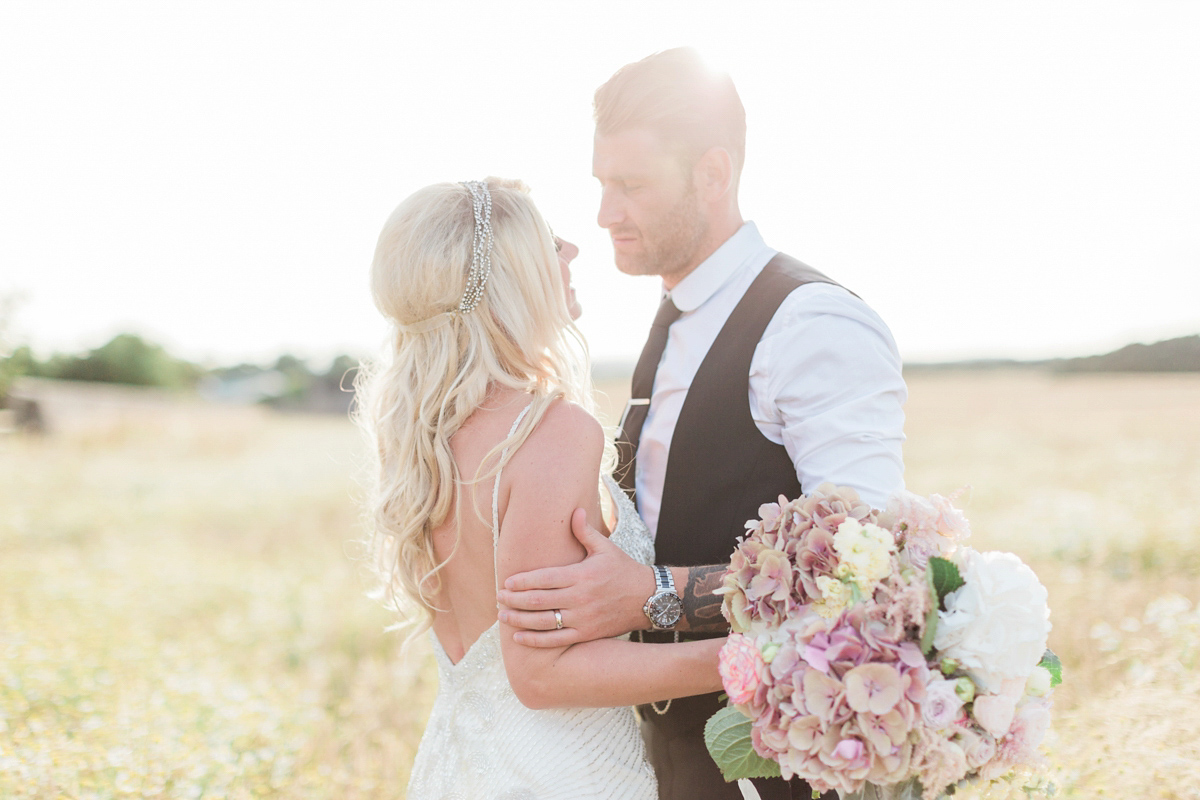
x: 713, y: 174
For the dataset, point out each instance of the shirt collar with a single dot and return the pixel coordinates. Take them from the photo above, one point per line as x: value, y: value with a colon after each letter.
x: 715, y: 271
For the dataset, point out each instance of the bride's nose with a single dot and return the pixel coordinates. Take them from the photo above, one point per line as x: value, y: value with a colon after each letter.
x: 569, y: 250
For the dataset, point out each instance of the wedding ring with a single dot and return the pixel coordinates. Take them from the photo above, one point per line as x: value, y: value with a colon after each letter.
x: 557, y: 620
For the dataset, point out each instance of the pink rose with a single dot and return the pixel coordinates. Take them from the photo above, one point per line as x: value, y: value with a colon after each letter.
x: 994, y: 713
x: 942, y: 704
x: 740, y: 665
x: 979, y: 748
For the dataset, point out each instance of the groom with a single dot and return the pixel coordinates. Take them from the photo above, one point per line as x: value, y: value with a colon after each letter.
x: 760, y: 377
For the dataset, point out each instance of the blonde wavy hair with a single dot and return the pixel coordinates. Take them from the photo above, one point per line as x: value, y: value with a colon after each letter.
x: 427, y: 384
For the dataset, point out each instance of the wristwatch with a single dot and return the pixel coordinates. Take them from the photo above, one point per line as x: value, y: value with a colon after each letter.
x: 665, y: 607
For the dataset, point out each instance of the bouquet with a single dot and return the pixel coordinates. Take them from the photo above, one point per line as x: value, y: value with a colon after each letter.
x: 874, y: 654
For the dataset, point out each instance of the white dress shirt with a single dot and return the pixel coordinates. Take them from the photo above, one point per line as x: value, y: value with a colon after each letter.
x: 825, y: 380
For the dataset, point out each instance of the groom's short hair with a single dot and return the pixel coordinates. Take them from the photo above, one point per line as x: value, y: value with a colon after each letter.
x: 676, y: 95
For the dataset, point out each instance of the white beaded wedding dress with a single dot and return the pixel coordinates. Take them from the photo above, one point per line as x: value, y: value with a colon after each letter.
x: 481, y: 744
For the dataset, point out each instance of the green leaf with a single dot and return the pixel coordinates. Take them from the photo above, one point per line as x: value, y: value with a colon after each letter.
x: 944, y: 578
x: 931, y: 620
x: 1054, y: 665
x: 727, y: 736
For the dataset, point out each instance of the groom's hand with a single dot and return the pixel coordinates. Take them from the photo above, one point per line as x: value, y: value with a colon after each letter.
x: 598, y: 598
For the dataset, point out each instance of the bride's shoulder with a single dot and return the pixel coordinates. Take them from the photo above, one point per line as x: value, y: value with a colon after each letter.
x: 568, y: 424
x: 567, y: 435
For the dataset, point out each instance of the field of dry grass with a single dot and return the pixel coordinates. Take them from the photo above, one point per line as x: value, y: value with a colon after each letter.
x: 181, y: 614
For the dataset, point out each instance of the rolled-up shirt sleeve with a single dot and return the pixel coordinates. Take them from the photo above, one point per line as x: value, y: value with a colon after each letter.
x: 826, y: 382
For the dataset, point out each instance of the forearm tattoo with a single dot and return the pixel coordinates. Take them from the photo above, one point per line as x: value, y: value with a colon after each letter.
x: 702, y: 608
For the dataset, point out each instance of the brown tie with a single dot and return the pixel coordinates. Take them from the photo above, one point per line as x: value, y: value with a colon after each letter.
x: 639, y: 402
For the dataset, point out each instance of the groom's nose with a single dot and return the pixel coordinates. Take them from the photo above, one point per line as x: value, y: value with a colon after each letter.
x: 612, y: 210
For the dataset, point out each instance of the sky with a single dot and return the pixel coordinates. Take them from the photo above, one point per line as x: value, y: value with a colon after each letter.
x: 996, y: 179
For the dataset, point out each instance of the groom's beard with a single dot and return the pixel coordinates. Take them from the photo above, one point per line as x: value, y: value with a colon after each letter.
x: 671, y: 242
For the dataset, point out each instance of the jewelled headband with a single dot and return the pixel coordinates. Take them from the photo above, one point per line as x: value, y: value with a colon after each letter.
x: 481, y: 261
x: 481, y: 250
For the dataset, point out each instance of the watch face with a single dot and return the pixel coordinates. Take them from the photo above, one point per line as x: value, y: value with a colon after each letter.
x: 665, y: 609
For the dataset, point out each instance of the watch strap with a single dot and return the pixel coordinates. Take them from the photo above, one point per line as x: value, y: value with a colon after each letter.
x: 663, y: 579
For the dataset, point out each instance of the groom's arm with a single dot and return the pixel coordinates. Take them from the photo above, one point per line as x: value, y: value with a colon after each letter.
x: 827, y: 383
x: 701, y: 608
x: 828, y: 377
x: 602, y: 596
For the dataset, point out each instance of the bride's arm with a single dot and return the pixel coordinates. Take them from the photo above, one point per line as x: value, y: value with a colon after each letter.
x: 554, y: 473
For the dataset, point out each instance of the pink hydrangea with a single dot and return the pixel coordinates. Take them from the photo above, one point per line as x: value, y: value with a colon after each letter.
x: 774, y: 570
x: 837, y: 705
x: 873, y: 687
x: 741, y: 667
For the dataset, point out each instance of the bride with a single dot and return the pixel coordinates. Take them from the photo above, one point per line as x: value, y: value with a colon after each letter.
x: 481, y: 416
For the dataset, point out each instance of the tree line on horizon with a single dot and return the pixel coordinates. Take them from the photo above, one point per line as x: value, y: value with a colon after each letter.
x: 130, y: 360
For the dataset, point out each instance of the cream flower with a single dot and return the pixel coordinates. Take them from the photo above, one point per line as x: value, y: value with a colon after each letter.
x: 866, y: 550
x: 835, y: 596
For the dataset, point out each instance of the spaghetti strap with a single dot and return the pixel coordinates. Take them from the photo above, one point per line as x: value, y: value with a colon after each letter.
x: 496, y: 497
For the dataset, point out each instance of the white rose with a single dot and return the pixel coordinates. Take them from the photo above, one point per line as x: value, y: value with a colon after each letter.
x: 997, y: 623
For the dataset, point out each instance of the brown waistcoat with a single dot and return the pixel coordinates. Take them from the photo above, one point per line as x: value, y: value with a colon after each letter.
x: 719, y: 471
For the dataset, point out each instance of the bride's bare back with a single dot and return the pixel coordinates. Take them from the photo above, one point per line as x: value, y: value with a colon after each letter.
x: 510, y: 720
x: 467, y: 597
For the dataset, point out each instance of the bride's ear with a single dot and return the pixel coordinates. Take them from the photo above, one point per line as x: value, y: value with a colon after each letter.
x: 713, y: 174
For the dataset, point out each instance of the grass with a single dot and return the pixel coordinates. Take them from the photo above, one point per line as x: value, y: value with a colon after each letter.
x: 182, y: 616
x: 179, y: 617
